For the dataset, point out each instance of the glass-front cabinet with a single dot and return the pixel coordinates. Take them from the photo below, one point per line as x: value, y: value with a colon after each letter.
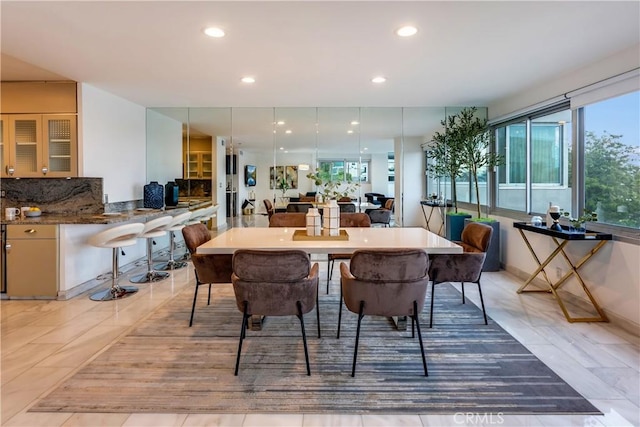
x: 36, y: 145
x: 200, y: 165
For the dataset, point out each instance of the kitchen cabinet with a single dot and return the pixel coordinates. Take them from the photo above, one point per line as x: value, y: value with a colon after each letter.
x: 39, y: 145
x: 200, y: 164
x: 32, y: 261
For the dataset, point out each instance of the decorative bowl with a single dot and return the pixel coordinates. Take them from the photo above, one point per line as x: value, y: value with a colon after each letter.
x: 33, y: 213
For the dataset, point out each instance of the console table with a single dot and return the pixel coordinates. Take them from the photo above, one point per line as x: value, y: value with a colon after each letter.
x: 562, y: 239
x: 441, y: 208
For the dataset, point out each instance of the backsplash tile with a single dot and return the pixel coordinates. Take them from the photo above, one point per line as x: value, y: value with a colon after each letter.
x: 55, y: 195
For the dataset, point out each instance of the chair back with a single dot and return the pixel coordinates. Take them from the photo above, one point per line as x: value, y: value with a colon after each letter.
x: 288, y: 219
x: 476, y: 237
x: 299, y: 207
x: 195, y: 235
x: 271, y: 282
x: 347, y: 207
x: 355, y: 220
x: 389, y: 204
x: 210, y: 268
x: 387, y: 280
x: 269, y: 207
x: 379, y: 216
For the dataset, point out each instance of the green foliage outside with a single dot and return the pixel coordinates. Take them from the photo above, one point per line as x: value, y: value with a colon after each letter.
x: 612, y: 179
x: 332, y: 186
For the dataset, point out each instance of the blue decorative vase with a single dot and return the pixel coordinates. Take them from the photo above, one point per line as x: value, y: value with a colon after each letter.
x: 171, y: 194
x: 153, y: 195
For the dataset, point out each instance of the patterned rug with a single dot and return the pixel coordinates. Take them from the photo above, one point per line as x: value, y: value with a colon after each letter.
x: 163, y: 366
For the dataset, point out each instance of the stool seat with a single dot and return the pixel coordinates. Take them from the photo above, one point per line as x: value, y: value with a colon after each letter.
x: 153, y: 228
x: 176, y: 224
x: 116, y: 238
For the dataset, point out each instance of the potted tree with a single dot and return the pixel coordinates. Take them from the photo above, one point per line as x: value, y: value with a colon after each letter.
x: 475, y: 140
x: 447, y: 162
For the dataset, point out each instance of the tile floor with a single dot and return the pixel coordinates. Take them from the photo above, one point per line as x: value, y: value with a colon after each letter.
x: 43, y: 342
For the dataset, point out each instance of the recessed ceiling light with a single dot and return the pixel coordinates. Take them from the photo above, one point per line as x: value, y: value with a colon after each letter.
x: 355, y: 122
x: 406, y: 31
x: 287, y: 131
x: 349, y: 131
x: 365, y: 148
x: 280, y: 123
x: 378, y: 79
x: 282, y: 148
x: 248, y: 79
x: 214, y: 32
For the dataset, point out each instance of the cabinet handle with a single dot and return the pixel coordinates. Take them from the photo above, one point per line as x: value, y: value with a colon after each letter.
x: 45, y: 170
x: 10, y: 170
x: 8, y: 246
x: 30, y: 231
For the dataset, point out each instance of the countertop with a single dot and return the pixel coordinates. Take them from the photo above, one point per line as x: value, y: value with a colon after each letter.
x: 138, y: 215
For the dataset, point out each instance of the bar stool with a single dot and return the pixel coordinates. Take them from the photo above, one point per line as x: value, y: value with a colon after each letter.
x: 152, y: 229
x: 116, y: 238
x: 177, y: 224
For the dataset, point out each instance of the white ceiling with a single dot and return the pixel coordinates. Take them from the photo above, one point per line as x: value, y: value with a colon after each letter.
x: 320, y: 53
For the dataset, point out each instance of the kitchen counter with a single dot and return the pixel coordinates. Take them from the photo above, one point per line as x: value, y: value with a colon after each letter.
x: 138, y: 215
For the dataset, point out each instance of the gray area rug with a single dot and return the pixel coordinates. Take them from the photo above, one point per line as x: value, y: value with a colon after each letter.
x: 163, y: 366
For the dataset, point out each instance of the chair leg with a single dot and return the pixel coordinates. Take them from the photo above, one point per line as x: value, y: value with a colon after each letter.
x: 355, y: 350
x: 433, y: 285
x: 193, y: 308
x: 413, y: 327
x: 484, y: 313
x: 462, y: 283
x: 209, y: 297
x: 304, y: 336
x: 417, y: 321
x: 329, y: 272
x: 244, y: 325
x: 318, y: 310
x: 340, y: 311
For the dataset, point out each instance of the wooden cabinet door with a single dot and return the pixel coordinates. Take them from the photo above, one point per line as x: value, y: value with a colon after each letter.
x: 59, y: 145
x: 4, y: 145
x: 25, y: 136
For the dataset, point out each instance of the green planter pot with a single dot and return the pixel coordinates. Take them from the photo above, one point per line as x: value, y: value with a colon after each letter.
x: 492, y: 261
x: 455, y: 225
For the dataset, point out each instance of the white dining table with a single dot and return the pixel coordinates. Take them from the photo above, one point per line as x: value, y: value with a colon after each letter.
x: 278, y: 238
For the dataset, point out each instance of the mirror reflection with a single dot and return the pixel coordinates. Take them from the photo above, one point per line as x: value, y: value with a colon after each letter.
x: 238, y: 157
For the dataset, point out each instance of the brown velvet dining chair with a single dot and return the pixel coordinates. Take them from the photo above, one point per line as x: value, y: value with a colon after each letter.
x: 464, y: 267
x: 346, y: 220
x: 274, y: 283
x: 385, y: 282
x: 288, y: 219
x: 269, y: 207
x: 209, y: 268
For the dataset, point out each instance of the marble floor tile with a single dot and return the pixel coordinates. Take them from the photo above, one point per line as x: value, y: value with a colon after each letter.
x: 624, y: 380
x: 273, y: 420
x: 618, y: 413
x: 629, y: 354
x: 332, y: 420
x: 96, y: 419
x: 213, y: 420
x: 391, y: 421
x: 154, y: 420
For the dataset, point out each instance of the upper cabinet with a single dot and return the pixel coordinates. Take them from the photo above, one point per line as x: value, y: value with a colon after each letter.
x: 39, y: 133
x: 200, y: 165
x: 39, y: 145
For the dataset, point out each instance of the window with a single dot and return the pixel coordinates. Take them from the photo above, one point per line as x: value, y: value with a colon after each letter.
x: 612, y: 160
x: 343, y: 170
x: 537, y: 162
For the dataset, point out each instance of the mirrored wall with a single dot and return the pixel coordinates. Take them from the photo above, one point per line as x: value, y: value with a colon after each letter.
x: 237, y: 157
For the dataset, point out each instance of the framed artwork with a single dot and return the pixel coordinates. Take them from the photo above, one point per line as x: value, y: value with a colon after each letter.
x: 288, y: 173
x: 250, y: 175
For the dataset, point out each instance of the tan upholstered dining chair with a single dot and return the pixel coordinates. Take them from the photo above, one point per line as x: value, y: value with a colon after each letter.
x: 209, y: 268
x: 385, y: 282
x: 274, y: 283
x: 464, y: 267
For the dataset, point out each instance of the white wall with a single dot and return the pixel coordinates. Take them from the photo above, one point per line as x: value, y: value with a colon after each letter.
x: 113, y: 142
x: 612, y: 275
x: 413, y: 180
x: 164, y: 148
x: 619, y: 63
